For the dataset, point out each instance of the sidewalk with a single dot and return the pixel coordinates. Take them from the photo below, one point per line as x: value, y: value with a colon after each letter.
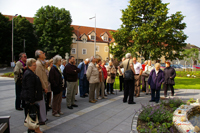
x: 106, y: 116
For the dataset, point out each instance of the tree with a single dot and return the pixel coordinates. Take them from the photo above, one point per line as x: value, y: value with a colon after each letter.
x: 23, y: 30
x: 5, y: 40
x: 147, y: 31
x: 53, y: 29
x: 191, y: 55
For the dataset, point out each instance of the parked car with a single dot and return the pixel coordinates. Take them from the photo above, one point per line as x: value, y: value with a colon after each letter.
x: 196, y: 66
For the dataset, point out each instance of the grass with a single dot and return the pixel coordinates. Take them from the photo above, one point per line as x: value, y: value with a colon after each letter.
x: 187, y: 83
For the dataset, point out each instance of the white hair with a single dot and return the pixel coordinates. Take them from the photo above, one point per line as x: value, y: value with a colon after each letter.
x: 157, y: 64
x: 56, y: 59
x: 37, y: 53
x: 30, y: 61
x: 128, y: 55
x: 87, y: 59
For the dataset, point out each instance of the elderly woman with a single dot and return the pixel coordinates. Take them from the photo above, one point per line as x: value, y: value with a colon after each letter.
x: 170, y: 74
x: 31, y: 88
x: 147, y: 71
x: 92, y: 75
x: 156, y: 78
x: 111, y: 73
x: 56, y: 80
x: 101, y: 83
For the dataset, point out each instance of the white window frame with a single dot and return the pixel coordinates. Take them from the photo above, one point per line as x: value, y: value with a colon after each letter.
x: 97, y: 48
x: 106, y: 47
x: 92, y: 36
x: 74, y: 50
x: 85, y: 51
x: 105, y: 38
x: 74, y: 40
x: 84, y: 40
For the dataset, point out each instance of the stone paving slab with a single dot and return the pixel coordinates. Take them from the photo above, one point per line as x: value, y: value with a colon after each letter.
x: 106, y: 116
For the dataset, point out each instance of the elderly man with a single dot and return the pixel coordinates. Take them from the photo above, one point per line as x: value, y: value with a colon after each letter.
x: 18, y: 72
x: 138, y: 72
x: 128, y: 84
x: 83, y: 82
x: 143, y: 76
x: 93, y: 78
x: 71, y: 72
x: 121, y: 78
x: 41, y: 73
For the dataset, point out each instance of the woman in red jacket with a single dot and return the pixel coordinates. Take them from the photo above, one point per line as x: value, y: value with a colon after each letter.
x: 105, y: 75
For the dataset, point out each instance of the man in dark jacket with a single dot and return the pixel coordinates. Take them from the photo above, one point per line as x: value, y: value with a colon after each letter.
x: 71, y: 76
x: 83, y: 82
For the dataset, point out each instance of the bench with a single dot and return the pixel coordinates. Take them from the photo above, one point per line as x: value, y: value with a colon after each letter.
x: 4, y: 124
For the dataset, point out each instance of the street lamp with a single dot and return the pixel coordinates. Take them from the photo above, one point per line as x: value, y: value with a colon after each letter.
x: 13, y: 36
x: 94, y: 36
x: 77, y: 43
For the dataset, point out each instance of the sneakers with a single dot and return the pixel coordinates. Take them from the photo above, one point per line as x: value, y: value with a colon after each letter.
x: 56, y: 115
x: 61, y: 113
x: 99, y: 98
x: 92, y: 101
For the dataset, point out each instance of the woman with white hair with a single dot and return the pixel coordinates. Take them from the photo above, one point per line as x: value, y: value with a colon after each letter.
x: 111, y: 74
x: 156, y: 78
x: 57, y: 86
x: 32, y: 90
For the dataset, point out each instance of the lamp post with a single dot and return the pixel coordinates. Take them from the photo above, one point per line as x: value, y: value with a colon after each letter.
x: 77, y: 44
x: 13, y: 36
x: 94, y: 36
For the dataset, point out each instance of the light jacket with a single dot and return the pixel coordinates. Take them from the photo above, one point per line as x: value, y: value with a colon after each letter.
x: 92, y: 73
x: 41, y: 73
x: 109, y: 70
x: 81, y: 66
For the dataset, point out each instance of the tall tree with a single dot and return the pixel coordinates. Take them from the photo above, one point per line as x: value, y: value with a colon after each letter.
x: 5, y: 40
x: 23, y: 30
x: 147, y: 31
x: 53, y: 29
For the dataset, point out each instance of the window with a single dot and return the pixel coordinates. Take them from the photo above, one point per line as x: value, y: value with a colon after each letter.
x: 92, y: 37
x: 73, y: 51
x: 106, y: 48
x: 97, y: 48
x: 84, y: 51
x: 105, y: 38
x: 74, y: 40
x: 84, y: 40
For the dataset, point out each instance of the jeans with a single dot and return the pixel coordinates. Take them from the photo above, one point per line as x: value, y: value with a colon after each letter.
x: 110, y: 87
x: 153, y: 97
x: 18, y: 101
x: 83, y: 86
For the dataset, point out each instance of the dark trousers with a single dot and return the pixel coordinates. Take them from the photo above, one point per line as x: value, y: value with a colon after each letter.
x: 121, y: 82
x: 48, y: 96
x: 143, y: 84
x: 155, y: 97
x: 110, y: 87
x: 18, y: 102
x: 129, y: 88
x: 83, y: 86
x: 166, y: 86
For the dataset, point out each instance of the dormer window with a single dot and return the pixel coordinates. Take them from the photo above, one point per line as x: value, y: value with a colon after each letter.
x: 105, y: 38
x: 84, y: 40
x: 73, y: 40
x: 92, y: 37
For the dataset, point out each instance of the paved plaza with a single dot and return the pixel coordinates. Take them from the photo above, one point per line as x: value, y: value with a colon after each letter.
x: 106, y: 116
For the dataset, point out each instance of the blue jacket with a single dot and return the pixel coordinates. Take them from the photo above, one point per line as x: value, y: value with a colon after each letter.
x: 81, y: 66
x: 156, y: 81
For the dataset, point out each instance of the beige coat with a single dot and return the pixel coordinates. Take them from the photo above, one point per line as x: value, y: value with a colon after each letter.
x: 92, y: 73
x: 125, y: 63
x: 109, y: 71
x: 17, y: 69
x: 41, y: 73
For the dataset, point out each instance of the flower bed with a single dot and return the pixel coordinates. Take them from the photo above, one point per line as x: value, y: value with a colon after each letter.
x: 158, y: 118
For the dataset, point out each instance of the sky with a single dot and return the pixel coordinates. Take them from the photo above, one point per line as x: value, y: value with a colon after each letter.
x: 108, y: 12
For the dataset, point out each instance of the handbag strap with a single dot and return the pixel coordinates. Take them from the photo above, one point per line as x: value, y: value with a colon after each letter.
x: 127, y: 65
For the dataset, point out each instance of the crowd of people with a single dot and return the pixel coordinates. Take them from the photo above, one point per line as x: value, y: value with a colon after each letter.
x: 47, y: 82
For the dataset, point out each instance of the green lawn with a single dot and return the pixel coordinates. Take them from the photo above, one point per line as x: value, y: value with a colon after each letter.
x: 187, y: 83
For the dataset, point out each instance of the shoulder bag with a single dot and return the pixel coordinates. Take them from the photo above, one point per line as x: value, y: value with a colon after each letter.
x: 128, y: 74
